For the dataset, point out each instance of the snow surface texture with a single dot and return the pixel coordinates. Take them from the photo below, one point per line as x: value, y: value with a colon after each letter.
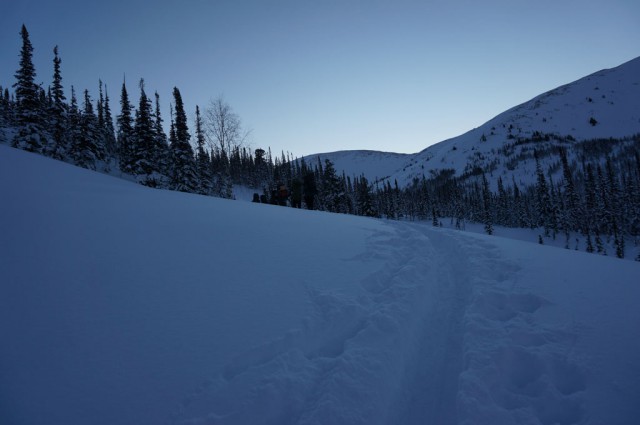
x: 611, y: 97
x: 121, y: 304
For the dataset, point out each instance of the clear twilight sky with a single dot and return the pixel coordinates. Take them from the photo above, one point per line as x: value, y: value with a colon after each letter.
x: 309, y: 76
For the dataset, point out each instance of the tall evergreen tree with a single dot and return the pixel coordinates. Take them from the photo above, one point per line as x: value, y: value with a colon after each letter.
x: 58, y: 112
x: 309, y: 189
x: 100, y: 105
x: 543, y: 201
x: 364, y: 197
x: 125, y: 132
x: 30, y: 135
x: 110, y: 134
x: 88, y: 149
x: 572, y: 215
x: 143, y: 143
x: 203, y: 162
x: 57, y: 89
x: 330, y: 189
x: 183, y: 172
x: 161, y: 144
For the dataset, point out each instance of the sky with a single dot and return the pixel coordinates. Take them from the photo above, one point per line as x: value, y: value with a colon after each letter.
x: 320, y: 76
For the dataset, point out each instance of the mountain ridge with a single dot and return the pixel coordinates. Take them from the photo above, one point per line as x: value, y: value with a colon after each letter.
x: 604, y: 104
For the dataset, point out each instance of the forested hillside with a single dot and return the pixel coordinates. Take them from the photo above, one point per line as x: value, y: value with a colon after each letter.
x: 585, y: 191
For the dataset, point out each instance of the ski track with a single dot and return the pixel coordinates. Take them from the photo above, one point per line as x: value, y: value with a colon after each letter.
x: 425, y: 342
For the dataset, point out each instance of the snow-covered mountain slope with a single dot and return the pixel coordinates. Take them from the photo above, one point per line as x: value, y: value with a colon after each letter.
x: 504, y: 145
x: 374, y: 165
x: 610, y: 97
x: 121, y: 304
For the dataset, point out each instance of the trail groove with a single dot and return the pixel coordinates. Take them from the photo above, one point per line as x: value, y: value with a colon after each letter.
x: 407, y: 350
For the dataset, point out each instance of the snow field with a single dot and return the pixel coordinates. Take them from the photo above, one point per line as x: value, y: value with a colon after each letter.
x: 125, y: 305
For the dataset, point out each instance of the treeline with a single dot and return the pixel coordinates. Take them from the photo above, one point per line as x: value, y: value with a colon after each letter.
x: 592, y: 191
x: 206, y: 157
x: 595, y: 196
x: 582, y: 188
x: 209, y: 158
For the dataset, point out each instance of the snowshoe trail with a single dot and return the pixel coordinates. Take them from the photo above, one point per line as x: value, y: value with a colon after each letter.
x: 425, y: 340
x: 516, y: 369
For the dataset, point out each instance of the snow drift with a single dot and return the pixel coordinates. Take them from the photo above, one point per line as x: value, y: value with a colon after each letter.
x: 121, y: 304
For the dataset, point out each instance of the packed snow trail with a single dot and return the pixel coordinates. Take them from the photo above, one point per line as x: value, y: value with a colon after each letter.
x: 393, y: 354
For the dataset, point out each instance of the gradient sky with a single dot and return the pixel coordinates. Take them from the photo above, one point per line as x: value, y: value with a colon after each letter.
x: 318, y: 76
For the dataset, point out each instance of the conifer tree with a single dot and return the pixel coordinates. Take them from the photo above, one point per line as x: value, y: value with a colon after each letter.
x: 109, y: 131
x: 331, y: 188
x: 183, y: 173
x: 161, y: 145
x: 309, y: 189
x: 591, y: 203
x: 57, y: 89
x: 203, y: 162
x: 261, y: 171
x: 4, y: 109
x: 143, y: 143
x: 58, y: 112
x: 30, y: 135
x: 296, y: 192
x: 543, y: 202
x: 364, y: 197
x: 87, y: 149
x: 571, y: 214
x: 74, y: 130
x: 125, y: 132
x: 100, y: 105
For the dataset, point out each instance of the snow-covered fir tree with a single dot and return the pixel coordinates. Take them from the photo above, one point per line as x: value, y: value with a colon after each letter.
x: 182, y: 167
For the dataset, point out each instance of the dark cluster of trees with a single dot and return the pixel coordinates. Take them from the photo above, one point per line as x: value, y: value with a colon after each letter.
x: 594, y: 192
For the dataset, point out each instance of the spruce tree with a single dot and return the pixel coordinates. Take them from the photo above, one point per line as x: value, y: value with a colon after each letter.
x: 109, y: 131
x: 572, y: 212
x: 57, y: 89
x: 4, y: 109
x: 331, y: 188
x: 203, y: 162
x: 309, y: 189
x: 30, y: 135
x: 125, y: 132
x: 543, y: 202
x: 143, y: 143
x: 58, y: 113
x: 161, y: 145
x: 364, y: 197
x: 74, y: 132
x: 100, y: 105
x: 183, y: 173
x: 88, y: 149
